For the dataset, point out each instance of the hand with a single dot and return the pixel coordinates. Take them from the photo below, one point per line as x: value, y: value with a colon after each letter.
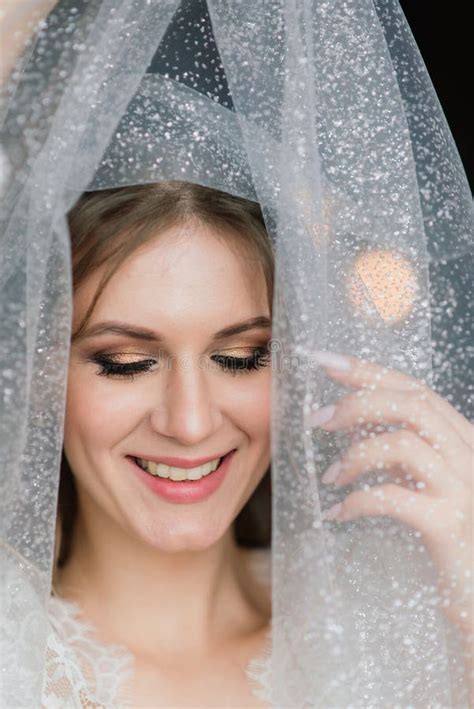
x: 430, y: 462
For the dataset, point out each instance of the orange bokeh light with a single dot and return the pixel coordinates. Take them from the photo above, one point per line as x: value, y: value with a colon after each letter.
x: 382, y: 285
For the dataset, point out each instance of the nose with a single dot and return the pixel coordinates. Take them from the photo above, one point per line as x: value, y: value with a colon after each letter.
x: 188, y: 410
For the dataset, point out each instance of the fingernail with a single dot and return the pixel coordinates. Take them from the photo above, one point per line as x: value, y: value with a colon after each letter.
x: 333, y: 512
x: 331, y: 473
x: 332, y: 360
x: 320, y: 416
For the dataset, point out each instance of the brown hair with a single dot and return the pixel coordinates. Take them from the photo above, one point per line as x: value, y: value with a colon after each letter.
x: 106, y: 227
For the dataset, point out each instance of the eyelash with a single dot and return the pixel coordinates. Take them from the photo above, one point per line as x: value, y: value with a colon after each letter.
x: 234, y: 365
x: 242, y: 365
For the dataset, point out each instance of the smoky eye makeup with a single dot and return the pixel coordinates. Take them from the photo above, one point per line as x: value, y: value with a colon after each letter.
x: 110, y: 367
x: 259, y: 359
x: 129, y: 365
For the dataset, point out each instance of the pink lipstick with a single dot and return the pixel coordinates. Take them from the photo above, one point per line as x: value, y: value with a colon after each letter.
x: 184, y: 491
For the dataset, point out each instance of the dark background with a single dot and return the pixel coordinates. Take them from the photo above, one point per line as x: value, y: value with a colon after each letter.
x: 444, y: 37
x: 441, y: 31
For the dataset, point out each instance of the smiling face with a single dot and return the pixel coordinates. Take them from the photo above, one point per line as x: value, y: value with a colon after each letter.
x: 179, y: 290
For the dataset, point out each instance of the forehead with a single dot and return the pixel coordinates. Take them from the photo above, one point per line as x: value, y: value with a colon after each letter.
x: 188, y: 270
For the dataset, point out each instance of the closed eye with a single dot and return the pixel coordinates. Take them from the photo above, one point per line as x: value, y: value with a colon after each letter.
x: 109, y: 367
x: 238, y: 365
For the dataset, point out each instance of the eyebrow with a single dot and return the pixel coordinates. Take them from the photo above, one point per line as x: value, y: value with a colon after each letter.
x: 111, y: 327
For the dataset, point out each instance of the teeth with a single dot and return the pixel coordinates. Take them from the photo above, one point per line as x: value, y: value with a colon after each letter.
x: 161, y: 470
x: 177, y: 473
x: 173, y: 473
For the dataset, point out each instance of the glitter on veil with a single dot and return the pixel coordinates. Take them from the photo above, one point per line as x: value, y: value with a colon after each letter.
x: 324, y: 114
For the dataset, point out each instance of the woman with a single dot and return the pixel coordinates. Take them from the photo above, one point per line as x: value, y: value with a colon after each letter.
x: 154, y: 565
x: 325, y: 119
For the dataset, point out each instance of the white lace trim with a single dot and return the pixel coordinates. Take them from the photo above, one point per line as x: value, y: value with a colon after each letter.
x: 259, y: 673
x: 82, y: 672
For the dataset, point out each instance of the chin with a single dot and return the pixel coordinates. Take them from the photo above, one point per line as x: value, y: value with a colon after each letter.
x: 184, y: 536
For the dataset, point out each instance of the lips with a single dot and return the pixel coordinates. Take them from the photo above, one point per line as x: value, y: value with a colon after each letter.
x: 184, y: 491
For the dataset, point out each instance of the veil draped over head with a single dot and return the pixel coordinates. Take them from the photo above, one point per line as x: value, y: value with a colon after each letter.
x: 324, y: 114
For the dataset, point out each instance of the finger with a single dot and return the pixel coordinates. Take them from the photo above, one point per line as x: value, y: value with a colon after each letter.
x: 440, y: 521
x: 358, y: 373
x: 412, y: 508
x: 392, y: 451
x: 405, y: 408
x: 361, y: 373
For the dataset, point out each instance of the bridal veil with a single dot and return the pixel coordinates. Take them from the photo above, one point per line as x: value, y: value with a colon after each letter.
x: 323, y: 112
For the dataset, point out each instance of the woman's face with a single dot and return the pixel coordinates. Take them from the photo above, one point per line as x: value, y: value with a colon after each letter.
x: 163, y: 309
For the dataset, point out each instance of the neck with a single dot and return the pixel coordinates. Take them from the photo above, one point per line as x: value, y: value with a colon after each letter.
x: 133, y: 593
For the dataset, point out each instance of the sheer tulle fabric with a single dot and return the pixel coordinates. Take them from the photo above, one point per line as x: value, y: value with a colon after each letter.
x: 323, y: 112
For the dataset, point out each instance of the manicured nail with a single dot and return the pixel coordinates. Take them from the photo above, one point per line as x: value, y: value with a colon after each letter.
x: 331, y: 473
x: 332, y: 360
x: 333, y: 512
x: 320, y: 416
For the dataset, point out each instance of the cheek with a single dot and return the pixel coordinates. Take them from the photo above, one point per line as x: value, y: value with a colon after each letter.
x: 99, y: 412
x: 248, y: 404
